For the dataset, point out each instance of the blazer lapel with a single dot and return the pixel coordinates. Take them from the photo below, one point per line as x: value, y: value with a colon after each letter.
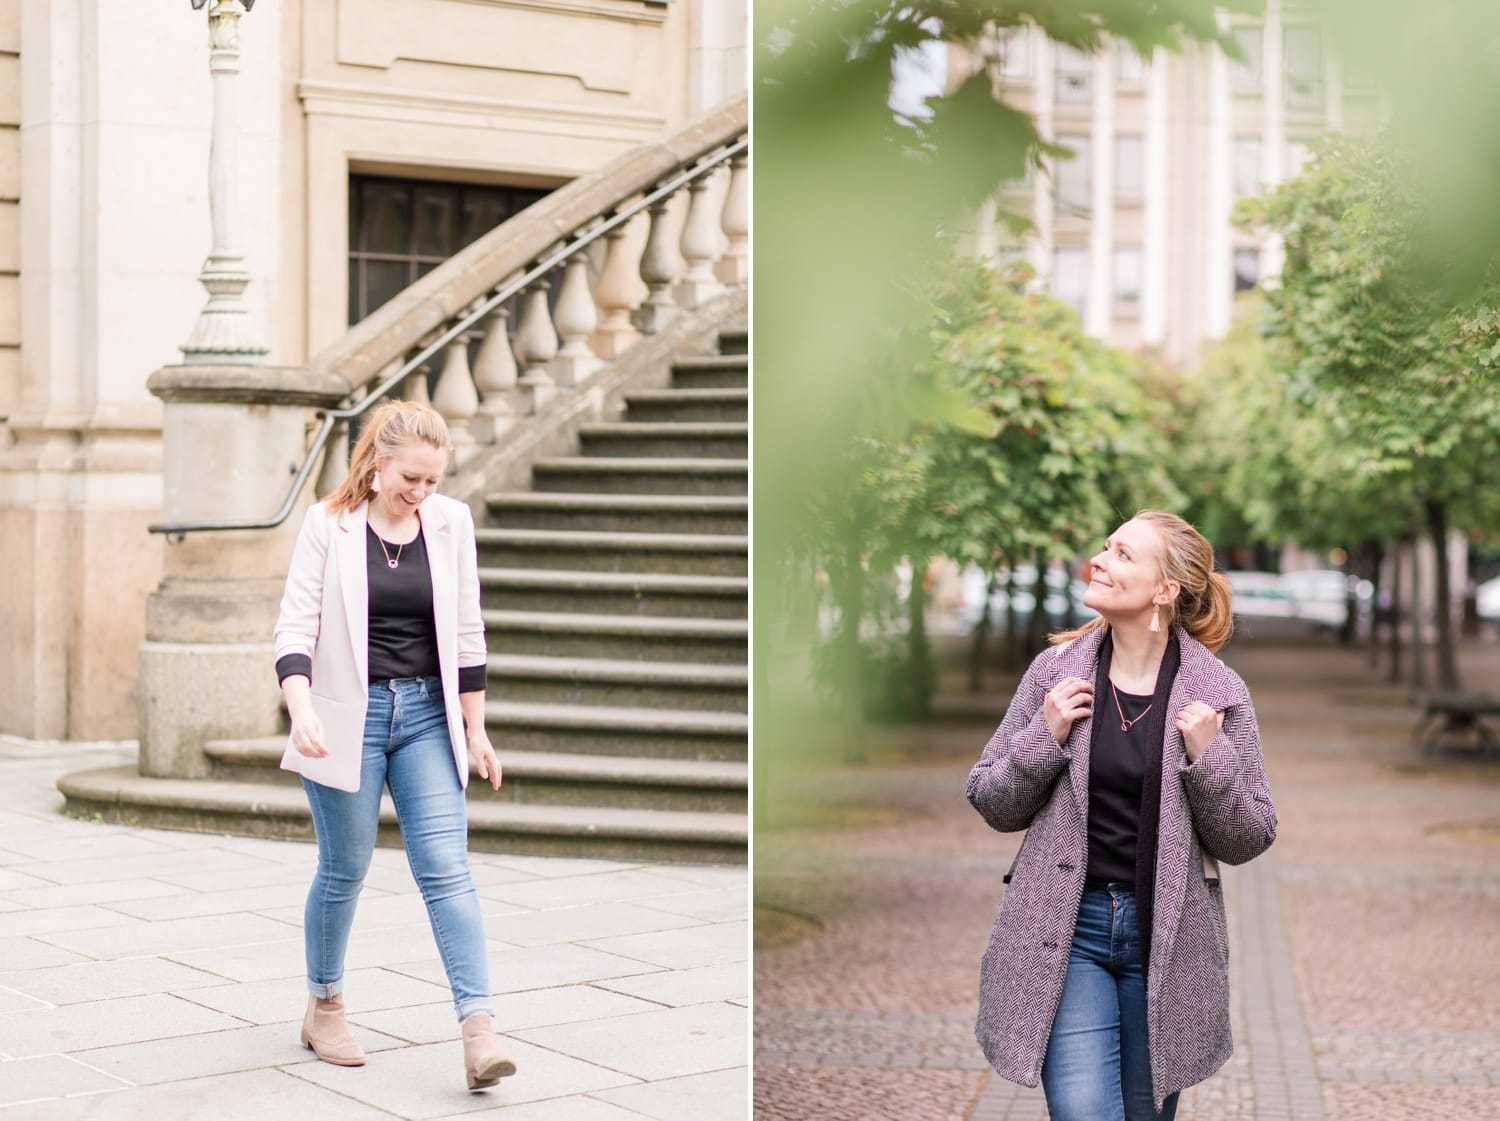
x: 354, y: 582
x: 437, y: 536
x: 1080, y: 660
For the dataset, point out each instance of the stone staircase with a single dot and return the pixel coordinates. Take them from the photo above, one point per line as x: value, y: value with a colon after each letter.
x: 615, y: 596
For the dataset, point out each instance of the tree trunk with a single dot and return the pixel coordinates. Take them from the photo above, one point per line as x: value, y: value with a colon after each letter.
x: 1013, y: 641
x: 1395, y: 621
x: 1418, y: 648
x: 1377, y: 563
x: 851, y: 600
x: 981, y: 632
x: 1036, y: 634
x: 919, y: 650
x: 1447, y: 660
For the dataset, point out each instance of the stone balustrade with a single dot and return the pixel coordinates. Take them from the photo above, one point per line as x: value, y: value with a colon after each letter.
x: 563, y: 327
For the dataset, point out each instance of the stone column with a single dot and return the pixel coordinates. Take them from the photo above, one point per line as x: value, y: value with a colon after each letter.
x: 233, y: 436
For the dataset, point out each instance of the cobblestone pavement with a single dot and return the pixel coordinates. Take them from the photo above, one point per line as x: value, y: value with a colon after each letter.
x: 148, y: 975
x: 1365, y: 976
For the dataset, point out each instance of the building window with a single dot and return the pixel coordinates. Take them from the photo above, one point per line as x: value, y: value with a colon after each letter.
x: 1304, y: 70
x: 1071, y: 77
x: 401, y: 229
x: 1127, y: 280
x: 1015, y: 53
x: 1246, y: 269
x: 1130, y: 166
x: 1073, y: 177
x: 1070, y: 277
x: 1130, y: 67
x: 1245, y: 71
x: 1247, y: 179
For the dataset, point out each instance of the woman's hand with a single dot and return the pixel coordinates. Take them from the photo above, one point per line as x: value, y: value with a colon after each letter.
x: 307, y: 734
x: 483, y: 756
x: 1199, y: 724
x: 1070, y: 699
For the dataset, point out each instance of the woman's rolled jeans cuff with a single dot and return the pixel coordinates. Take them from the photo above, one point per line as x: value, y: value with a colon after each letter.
x: 328, y: 991
x: 407, y: 744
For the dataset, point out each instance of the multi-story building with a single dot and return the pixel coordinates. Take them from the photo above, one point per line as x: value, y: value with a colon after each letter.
x: 1135, y: 231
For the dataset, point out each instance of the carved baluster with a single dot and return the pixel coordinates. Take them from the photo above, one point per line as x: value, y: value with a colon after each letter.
x: 495, y: 378
x: 700, y: 245
x: 536, y: 346
x: 658, y: 270
x: 615, y: 295
x: 455, y: 397
x: 576, y: 320
x: 734, y: 266
x: 414, y: 386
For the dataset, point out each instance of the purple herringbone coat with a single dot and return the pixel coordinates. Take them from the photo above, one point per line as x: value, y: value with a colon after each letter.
x: 1217, y: 809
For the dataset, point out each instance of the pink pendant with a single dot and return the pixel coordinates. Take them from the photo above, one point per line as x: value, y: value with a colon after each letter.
x: 1124, y: 727
x: 392, y: 563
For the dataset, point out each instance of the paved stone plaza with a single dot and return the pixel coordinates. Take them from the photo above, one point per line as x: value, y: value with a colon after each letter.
x: 147, y: 975
x: 1365, y: 975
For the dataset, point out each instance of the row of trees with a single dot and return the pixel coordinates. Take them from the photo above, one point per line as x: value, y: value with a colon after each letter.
x: 1354, y: 407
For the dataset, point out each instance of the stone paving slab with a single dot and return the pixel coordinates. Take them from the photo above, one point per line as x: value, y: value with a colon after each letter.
x: 156, y: 976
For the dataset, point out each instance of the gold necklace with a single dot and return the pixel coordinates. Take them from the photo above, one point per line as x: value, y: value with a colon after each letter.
x: 391, y: 562
x: 1125, y: 725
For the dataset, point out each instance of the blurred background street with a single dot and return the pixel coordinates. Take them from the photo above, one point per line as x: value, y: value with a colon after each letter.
x: 1365, y: 980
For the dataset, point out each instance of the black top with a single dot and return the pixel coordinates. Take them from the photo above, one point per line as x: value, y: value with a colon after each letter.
x: 403, y: 634
x: 1117, y: 775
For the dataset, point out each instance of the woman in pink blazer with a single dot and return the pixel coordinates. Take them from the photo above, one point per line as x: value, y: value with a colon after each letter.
x: 381, y: 656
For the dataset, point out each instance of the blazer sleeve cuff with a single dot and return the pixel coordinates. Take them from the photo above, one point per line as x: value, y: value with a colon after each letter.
x: 289, y: 665
x: 473, y: 679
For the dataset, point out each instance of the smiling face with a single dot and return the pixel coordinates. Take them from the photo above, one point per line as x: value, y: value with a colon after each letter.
x: 1125, y: 577
x: 408, y: 477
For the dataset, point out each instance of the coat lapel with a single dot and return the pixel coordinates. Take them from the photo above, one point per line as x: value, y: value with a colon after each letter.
x: 437, y: 536
x: 1201, y: 677
x: 354, y: 582
x: 1081, y: 659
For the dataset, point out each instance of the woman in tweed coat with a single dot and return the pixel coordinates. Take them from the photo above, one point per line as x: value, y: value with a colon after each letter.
x: 1111, y: 988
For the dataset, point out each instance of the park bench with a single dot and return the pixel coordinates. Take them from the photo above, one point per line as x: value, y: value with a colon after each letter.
x: 1448, y: 716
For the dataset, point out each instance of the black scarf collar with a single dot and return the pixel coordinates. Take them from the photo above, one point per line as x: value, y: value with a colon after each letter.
x: 1145, y: 849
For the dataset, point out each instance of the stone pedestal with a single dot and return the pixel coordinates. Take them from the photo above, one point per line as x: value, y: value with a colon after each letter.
x: 233, y: 438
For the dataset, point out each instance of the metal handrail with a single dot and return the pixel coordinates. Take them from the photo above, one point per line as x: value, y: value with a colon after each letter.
x: 177, y: 531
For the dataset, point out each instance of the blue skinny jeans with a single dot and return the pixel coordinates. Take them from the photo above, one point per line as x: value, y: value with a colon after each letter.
x: 406, y: 747
x: 1098, y: 1066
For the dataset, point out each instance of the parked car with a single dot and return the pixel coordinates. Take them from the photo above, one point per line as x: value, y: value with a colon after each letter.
x: 1321, y: 596
x: 1059, y: 587
x: 1260, y: 595
x: 1487, y: 600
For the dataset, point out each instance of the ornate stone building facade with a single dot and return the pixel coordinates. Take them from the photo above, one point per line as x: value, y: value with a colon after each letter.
x: 426, y: 118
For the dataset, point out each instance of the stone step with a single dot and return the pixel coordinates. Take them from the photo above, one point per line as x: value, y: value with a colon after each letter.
x: 541, y: 778
x: 720, y: 371
x: 614, y: 593
x: 699, y: 440
x: 686, y: 553
x: 734, y: 342
x: 642, y: 475
x: 688, y: 405
x: 122, y: 795
x: 556, y: 634
x: 605, y: 730
x: 620, y: 683
x: 620, y: 513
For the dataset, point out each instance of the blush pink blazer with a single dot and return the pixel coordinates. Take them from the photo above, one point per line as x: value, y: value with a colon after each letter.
x: 325, y: 615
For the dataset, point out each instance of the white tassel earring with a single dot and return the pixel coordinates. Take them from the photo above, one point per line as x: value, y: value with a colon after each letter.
x: 1155, y: 618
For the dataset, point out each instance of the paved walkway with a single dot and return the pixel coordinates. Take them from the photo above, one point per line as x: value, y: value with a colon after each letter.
x: 1365, y: 972
x: 147, y: 975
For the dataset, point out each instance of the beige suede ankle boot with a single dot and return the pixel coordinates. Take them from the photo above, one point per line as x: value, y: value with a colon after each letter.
x: 485, y: 1060
x: 326, y: 1035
